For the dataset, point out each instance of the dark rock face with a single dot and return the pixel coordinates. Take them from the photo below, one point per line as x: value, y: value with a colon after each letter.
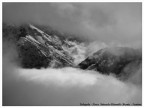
x: 36, y: 48
x: 32, y: 57
x: 113, y: 60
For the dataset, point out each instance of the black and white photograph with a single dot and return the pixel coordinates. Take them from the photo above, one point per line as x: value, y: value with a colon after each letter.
x: 71, y: 53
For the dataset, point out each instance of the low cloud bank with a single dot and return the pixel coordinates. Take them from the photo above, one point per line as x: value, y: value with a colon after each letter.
x: 67, y: 86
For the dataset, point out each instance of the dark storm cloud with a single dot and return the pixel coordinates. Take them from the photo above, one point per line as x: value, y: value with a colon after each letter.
x: 108, y: 22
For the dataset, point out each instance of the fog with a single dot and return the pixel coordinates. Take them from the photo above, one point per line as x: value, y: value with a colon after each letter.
x: 106, y: 22
x: 64, y: 86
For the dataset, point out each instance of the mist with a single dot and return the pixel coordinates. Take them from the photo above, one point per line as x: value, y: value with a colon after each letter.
x: 104, y: 24
x: 67, y: 86
x: 64, y: 86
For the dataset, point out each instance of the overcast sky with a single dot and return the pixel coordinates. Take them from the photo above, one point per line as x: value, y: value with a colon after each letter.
x: 107, y: 22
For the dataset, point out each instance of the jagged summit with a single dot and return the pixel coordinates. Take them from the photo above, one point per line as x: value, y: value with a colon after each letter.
x: 40, y: 46
x: 49, y: 47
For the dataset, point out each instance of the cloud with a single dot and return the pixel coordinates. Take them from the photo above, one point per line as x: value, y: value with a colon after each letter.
x: 67, y: 86
x: 61, y: 77
x: 105, y: 22
x: 63, y: 86
x: 108, y: 22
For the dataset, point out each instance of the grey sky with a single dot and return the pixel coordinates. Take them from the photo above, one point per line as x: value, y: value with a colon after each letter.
x: 107, y: 22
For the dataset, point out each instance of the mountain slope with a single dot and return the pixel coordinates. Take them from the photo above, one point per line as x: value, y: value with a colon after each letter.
x: 42, y: 48
x: 116, y: 60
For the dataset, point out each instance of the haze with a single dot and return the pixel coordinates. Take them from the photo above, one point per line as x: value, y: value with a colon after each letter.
x: 106, y: 22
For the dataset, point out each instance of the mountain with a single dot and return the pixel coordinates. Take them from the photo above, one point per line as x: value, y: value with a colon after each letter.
x: 43, y: 50
x: 121, y: 61
x: 38, y: 49
x: 41, y: 47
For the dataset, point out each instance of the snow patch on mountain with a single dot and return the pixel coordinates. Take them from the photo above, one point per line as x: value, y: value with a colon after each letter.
x: 77, y: 50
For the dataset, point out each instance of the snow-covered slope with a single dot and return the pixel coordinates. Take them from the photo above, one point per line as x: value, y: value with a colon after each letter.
x: 77, y: 51
x: 63, y: 52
